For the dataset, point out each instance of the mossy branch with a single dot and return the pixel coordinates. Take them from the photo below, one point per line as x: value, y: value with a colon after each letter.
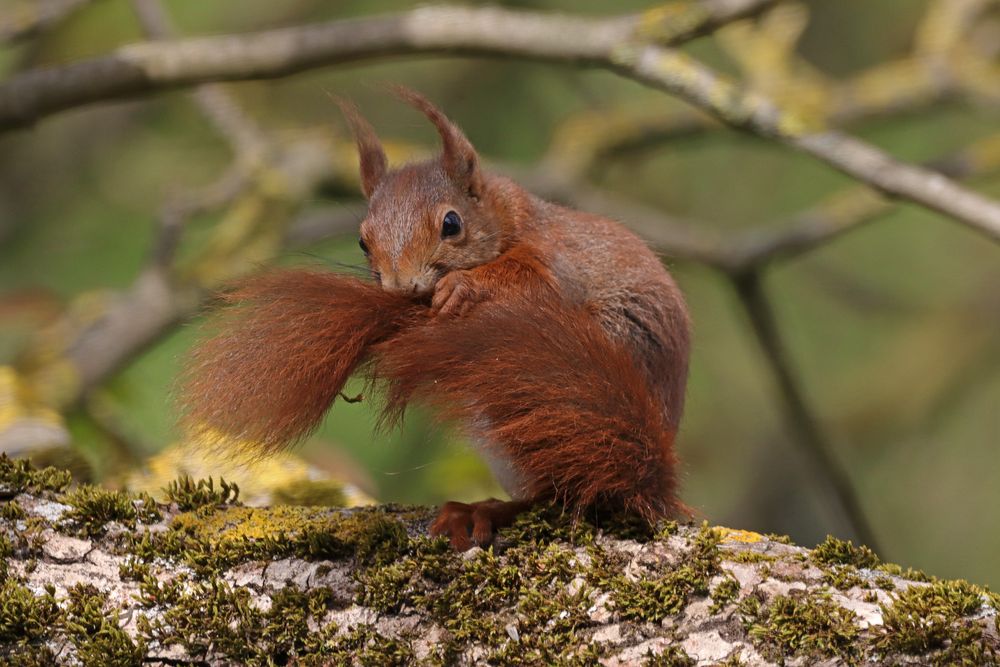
x: 103, y: 577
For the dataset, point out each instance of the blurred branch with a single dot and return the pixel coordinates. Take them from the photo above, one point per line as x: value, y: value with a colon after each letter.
x: 259, y: 196
x: 681, y: 75
x: 175, y: 214
x: 845, y: 210
x: 628, y: 45
x: 215, y: 103
x: 905, y: 86
x: 692, y: 240
x: 155, y: 66
x: 809, y: 435
x: 29, y: 19
x: 137, y: 318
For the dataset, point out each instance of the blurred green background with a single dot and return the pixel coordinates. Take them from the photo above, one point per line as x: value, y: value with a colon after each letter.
x: 892, y: 329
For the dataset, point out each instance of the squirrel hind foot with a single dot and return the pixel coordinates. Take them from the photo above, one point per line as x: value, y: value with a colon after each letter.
x: 475, y: 524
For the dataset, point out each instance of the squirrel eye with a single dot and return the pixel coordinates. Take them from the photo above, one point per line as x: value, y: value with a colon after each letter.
x: 363, y: 245
x: 451, y: 225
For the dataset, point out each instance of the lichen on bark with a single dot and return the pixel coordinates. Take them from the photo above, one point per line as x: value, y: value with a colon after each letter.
x: 98, y: 577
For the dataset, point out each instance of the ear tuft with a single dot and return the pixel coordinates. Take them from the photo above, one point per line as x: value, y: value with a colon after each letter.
x: 370, y: 152
x: 458, y: 156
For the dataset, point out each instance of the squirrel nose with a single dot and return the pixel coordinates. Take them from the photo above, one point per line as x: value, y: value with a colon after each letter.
x: 398, y: 285
x: 390, y: 283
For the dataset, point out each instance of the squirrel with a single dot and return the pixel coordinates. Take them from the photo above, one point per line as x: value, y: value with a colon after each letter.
x: 555, y: 338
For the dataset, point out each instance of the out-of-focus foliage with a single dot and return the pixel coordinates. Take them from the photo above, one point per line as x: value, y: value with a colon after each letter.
x: 891, y: 328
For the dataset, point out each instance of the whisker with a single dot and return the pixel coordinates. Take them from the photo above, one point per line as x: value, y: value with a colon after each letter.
x: 357, y: 269
x: 351, y: 211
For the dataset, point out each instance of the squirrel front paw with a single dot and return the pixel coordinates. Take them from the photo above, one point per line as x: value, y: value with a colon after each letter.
x: 455, y: 293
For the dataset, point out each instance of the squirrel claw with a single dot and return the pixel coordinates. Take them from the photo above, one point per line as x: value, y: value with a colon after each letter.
x: 468, y: 524
x: 454, y: 294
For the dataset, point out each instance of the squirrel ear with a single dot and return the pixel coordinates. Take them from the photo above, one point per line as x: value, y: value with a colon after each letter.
x: 371, y: 155
x: 458, y: 156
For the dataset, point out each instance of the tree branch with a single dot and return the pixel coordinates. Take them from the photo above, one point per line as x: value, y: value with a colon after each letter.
x: 27, y: 21
x: 106, y: 577
x: 145, y: 68
x: 808, y: 433
x: 628, y: 45
x: 685, y: 77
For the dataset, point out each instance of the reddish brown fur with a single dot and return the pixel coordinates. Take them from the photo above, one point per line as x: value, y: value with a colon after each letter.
x: 372, y: 161
x: 458, y: 157
x: 556, y: 337
x: 282, y: 351
x: 571, y: 411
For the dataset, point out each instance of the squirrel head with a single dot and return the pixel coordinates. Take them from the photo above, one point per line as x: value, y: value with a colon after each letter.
x: 429, y: 218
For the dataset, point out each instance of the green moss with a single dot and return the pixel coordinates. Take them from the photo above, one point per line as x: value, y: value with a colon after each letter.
x: 27, y: 620
x: 189, y: 494
x: 672, y: 656
x: 93, y: 629
x: 365, y: 646
x: 809, y: 624
x: 549, y: 523
x: 653, y: 599
x: 666, y: 528
x: 429, y: 563
x: 28, y: 541
x: 529, y: 606
x: 840, y: 561
x: 212, y: 619
x: 490, y: 600
x: 748, y: 557
x: 724, y: 593
x: 18, y: 476
x: 907, y: 573
x: 12, y: 511
x: 25, y: 617
x: 311, y: 493
x: 153, y: 592
x: 386, y: 589
x: 931, y: 620
x: 546, y: 523
x: 27, y: 656
x: 6, y: 551
x: 133, y: 569
x: 843, y: 577
x: 838, y: 552
x: 92, y: 508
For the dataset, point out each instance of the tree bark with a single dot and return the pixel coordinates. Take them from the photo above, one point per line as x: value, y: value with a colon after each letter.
x: 100, y: 577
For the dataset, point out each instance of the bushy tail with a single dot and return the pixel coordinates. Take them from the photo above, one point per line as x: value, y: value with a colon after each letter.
x: 281, y: 352
x: 541, y: 381
x: 570, y: 409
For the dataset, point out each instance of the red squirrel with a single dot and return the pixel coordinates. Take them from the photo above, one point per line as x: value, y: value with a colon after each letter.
x: 555, y: 338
